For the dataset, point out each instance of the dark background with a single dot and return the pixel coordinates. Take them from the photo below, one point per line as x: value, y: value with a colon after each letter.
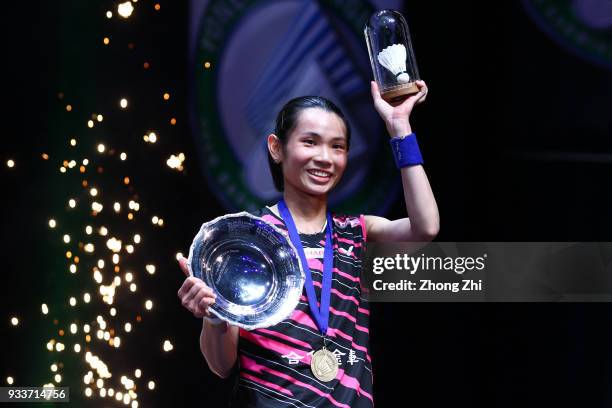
x: 499, y: 87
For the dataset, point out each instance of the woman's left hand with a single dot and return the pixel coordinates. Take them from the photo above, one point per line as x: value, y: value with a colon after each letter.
x: 397, y: 118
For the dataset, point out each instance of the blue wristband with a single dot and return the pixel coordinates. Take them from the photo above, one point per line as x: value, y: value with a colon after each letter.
x: 406, y: 151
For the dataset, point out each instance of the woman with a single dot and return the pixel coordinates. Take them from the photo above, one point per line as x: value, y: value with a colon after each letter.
x: 319, y: 355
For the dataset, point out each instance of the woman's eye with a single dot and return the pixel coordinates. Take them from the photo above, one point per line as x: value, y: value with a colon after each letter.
x: 339, y: 146
x: 309, y: 141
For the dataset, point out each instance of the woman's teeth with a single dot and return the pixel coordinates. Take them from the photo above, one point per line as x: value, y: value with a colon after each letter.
x: 319, y: 173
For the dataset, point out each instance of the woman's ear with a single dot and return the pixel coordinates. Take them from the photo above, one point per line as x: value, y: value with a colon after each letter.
x: 275, y: 148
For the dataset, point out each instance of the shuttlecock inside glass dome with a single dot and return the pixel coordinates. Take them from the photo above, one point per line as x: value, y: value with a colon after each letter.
x: 394, y: 59
x: 391, y: 55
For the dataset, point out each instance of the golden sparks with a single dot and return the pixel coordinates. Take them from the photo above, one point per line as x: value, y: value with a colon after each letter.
x: 125, y: 9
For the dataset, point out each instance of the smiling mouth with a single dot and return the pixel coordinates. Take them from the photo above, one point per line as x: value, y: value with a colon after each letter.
x: 320, y: 173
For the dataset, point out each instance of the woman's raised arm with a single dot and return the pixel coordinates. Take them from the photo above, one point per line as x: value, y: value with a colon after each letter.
x: 423, y: 221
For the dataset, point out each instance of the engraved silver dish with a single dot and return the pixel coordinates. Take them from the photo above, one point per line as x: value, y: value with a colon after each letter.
x: 252, y: 267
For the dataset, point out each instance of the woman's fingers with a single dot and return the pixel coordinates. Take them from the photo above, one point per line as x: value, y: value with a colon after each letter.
x: 376, y: 96
x: 385, y: 109
x: 185, y: 287
x: 422, y: 91
x: 200, y: 304
x: 183, y: 264
x: 200, y: 288
x: 420, y: 97
x: 191, y: 287
x: 374, y: 90
x: 204, y: 304
x: 208, y: 291
x: 416, y: 98
x: 207, y: 301
x: 195, y: 301
x: 196, y: 296
x: 189, y: 296
x: 382, y: 107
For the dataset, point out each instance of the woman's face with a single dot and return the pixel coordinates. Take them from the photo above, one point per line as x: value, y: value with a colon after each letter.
x: 315, y: 155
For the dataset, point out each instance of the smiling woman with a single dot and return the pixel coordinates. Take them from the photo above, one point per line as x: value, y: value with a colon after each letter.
x: 317, y: 152
x: 320, y: 137
x: 308, y: 152
x: 319, y: 355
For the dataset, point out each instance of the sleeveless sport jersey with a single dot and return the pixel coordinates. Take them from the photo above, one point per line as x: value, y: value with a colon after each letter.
x: 274, y: 363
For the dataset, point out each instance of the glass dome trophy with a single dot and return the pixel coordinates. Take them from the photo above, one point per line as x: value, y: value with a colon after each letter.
x: 391, y: 55
x: 251, y: 266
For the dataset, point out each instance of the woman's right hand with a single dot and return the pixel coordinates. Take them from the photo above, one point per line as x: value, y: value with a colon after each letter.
x: 195, y: 295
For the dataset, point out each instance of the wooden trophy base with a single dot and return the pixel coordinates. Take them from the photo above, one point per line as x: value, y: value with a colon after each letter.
x: 397, y: 95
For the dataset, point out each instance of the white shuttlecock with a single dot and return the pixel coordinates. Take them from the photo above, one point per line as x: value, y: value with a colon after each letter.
x: 394, y: 59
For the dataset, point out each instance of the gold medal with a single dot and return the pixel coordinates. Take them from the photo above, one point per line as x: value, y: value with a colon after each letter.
x: 324, y: 365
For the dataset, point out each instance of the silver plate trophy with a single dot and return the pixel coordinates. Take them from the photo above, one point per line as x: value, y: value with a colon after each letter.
x: 251, y: 266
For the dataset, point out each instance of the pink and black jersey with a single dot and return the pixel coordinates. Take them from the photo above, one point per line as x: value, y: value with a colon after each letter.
x: 274, y: 363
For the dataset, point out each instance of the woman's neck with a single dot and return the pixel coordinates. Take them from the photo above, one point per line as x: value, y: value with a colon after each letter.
x: 308, y: 211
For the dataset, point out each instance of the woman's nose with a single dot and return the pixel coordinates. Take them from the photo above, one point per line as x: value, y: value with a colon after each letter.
x: 323, y: 155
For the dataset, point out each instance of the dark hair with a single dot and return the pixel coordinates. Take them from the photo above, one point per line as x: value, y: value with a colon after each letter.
x: 286, y: 120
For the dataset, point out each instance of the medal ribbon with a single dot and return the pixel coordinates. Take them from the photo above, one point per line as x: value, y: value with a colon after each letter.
x: 321, y: 315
